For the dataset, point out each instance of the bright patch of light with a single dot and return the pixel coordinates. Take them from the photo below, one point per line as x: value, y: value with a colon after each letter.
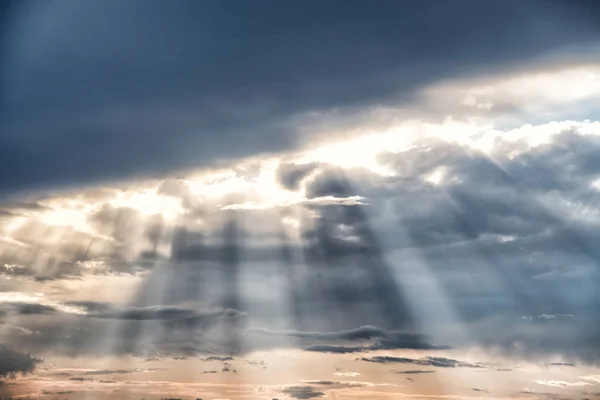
x: 532, y: 91
x: 91, y: 265
x: 360, y: 152
x: 294, y: 223
x: 74, y: 218
x: 437, y: 176
x: 14, y: 224
x: 148, y: 202
x: 347, y: 373
x: 594, y: 378
x: 261, y: 188
x: 9, y: 240
x: 561, y: 383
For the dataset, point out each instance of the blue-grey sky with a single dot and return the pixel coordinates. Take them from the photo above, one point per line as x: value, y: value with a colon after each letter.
x: 299, y: 199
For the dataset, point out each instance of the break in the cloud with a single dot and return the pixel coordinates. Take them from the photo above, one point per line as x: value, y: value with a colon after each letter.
x: 235, y: 80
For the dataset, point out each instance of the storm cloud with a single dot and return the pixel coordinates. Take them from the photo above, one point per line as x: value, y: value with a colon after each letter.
x: 233, y: 80
x: 431, y: 361
x: 13, y: 362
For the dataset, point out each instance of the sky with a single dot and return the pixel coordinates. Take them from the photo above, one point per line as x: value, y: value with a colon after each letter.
x: 298, y: 200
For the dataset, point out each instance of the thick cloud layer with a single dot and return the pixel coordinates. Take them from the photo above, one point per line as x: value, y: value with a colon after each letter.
x: 458, y: 247
x: 145, y: 88
x: 13, y: 362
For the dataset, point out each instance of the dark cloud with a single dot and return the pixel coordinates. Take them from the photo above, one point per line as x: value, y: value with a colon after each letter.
x: 372, y: 338
x: 13, y: 362
x: 166, y: 313
x: 432, y: 361
x: 19, y: 308
x: 60, y: 392
x: 302, y: 392
x: 291, y: 175
x: 361, y: 333
x: 218, y: 358
x: 415, y: 371
x: 336, y: 385
x: 324, y: 348
x: 108, y: 311
x: 81, y: 328
x: 232, y: 80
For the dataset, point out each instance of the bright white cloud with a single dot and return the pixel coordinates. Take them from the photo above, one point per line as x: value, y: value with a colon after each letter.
x: 560, y: 383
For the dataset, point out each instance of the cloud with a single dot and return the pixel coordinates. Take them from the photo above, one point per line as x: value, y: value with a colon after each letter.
x: 380, y: 339
x: 593, y: 378
x: 218, y: 358
x: 361, y: 333
x: 323, y: 348
x: 415, y: 371
x: 346, y: 373
x: 516, y: 220
x: 13, y: 362
x: 554, y: 383
x: 226, y: 107
x: 291, y: 175
x: 302, y: 392
x: 432, y: 361
x: 337, y: 385
x: 118, y: 371
x: 165, y: 313
x: 102, y: 310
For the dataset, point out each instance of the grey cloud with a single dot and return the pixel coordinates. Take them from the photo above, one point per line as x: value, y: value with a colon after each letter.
x: 335, y: 384
x: 291, y: 175
x: 222, y: 87
x: 56, y: 270
x: 218, y: 358
x: 489, y: 218
x: 60, y: 392
x: 323, y: 348
x: 504, y: 239
x: 303, y: 392
x: 108, y: 311
x: 21, y: 308
x: 431, y: 361
x: 165, y: 313
x: 13, y: 362
x: 415, y: 371
x: 361, y: 333
x: 170, y: 330
x: 379, y: 338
